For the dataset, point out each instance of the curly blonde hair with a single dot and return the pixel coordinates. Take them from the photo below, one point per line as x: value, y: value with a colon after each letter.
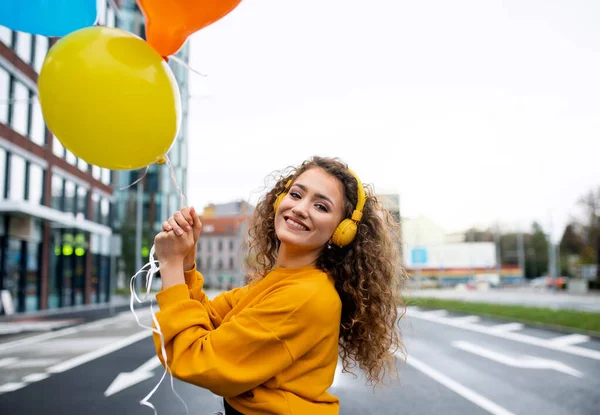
x: 367, y: 273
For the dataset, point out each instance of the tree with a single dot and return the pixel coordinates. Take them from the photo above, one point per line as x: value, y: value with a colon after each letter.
x: 590, y: 204
x: 536, y: 252
x: 571, y: 242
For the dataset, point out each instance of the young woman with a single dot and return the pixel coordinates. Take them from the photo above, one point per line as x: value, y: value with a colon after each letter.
x: 325, y: 282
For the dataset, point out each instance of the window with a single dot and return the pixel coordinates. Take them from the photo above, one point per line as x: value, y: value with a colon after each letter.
x: 20, y: 108
x: 96, y: 206
x: 4, y: 94
x: 57, y: 147
x: 231, y: 262
x: 36, y: 184
x: 71, y: 159
x: 83, y: 166
x: 106, y: 176
x: 17, y: 178
x: 69, y: 196
x: 41, y: 48
x: 23, y: 46
x: 38, y: 128
x: 96, y: 172
x: 104, y: 211
x: 2, y: 172
x: 220, y: 246
x: 57, y: 192
x: 6, y: 36
x: 231, y: 245
x: 82, y: 200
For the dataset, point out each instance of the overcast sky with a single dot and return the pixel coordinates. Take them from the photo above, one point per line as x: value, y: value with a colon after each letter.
x: 474, y: 111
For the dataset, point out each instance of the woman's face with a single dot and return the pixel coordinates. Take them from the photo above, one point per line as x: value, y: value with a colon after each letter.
x: 311, y: 211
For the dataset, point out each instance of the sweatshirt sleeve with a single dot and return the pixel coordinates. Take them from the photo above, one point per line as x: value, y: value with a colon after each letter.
x: 247, y: 350
x: 220, y: 305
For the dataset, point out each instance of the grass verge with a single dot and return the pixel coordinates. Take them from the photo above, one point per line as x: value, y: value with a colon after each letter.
x: 571, y: 319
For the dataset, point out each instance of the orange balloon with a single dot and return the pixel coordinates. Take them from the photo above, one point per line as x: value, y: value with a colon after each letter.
x: 170, y: 22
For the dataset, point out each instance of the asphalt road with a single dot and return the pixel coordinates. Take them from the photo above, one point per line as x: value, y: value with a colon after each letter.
x: 456, y: 364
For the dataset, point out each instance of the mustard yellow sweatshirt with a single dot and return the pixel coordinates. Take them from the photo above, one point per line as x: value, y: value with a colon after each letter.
x: 270, y: 348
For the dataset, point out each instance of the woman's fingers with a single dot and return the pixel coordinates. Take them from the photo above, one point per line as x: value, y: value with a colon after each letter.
x: 186, y: 212
x: 175, y: 226
x: 182, y: 221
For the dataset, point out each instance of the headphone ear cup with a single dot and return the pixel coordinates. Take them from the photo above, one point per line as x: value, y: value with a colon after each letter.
x: 278, y: 201
x: 344, y: 233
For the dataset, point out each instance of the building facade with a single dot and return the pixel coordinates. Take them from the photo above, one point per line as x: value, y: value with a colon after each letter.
x: 55, y: 209
x: 222, y: 248
x: 156, y: 196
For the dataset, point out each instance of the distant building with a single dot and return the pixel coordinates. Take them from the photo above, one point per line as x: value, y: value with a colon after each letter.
x: 430, y: 252
x: 222, y: 250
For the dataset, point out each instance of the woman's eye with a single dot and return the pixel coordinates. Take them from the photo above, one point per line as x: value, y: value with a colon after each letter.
x: 294, y: 195
x: 322, y: 208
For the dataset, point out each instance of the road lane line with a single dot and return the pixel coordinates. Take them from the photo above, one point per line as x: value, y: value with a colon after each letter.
x: 35, y: 377
x: 467, y: 319
x: 508, y: 327
x: 468, y: 394
x: 95, y: 354
x: 11, y: 387
x: 64, y: 332
x: 507, y: 335
x: 570, y: 339
x: 7, y: 361
x: 524, y: 362
x: 36, y: 339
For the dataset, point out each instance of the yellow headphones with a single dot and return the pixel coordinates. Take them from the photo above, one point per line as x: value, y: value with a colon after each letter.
x: 346, y: 231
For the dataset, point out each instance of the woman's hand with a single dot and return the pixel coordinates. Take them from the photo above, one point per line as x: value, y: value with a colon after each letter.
x: 171, y: 249
x: 185, y: 220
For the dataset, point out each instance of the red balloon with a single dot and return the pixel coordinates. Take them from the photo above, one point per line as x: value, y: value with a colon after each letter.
x: 170, y: 22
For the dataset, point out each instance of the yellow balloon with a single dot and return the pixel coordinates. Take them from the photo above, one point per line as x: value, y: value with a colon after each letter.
x: 110, y: 98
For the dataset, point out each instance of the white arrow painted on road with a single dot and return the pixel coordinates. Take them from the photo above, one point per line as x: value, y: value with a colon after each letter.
x: 125, y: 380
x: 526, y: 362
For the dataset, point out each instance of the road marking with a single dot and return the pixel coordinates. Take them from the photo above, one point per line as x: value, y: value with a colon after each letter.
x: 467, y: 319
x: 125, y: 380
x: 36, y: 339
x: 456, y: 387
x: 27, y: 363
x: 526, y: 362
x: 436, y: 313
x: 507, y: 335
x: 35, y: 377
x: 11, y: 387
x: 508, y: 327
x: 7, y: 361
x: 64, y: 332
x: 95, y: 354
x: 570, y: 339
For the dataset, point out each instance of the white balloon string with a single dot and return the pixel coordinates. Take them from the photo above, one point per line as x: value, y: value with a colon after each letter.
x: 174, y: 180
x: 113, y: 5
x: 150, y: 269
x: 137, y: 181
x: 185, y: 65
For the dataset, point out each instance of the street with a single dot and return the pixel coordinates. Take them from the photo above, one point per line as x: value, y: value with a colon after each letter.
x: 457, y: 364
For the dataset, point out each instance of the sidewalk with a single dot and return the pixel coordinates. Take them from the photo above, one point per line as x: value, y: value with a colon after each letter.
x: 48, y: 320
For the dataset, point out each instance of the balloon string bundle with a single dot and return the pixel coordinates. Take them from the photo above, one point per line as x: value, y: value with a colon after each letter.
x: 150, y: 270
